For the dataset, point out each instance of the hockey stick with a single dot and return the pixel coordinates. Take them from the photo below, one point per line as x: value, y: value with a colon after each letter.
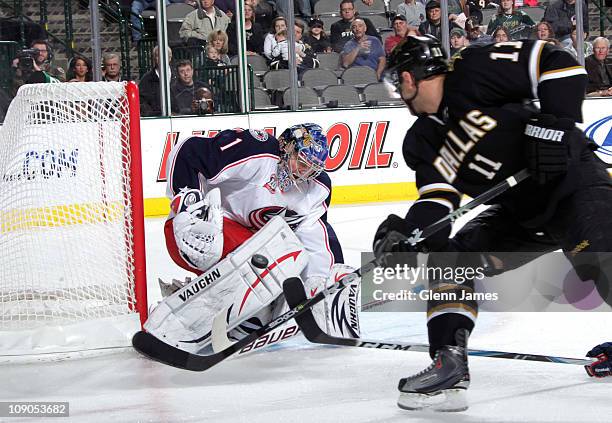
x: 158, y: 350
x: 295, y: 294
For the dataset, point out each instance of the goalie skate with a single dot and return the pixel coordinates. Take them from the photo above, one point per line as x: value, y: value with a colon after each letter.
x: 442, y: 386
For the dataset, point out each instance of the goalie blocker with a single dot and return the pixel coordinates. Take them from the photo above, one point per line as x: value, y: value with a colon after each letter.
x: 247, y: 294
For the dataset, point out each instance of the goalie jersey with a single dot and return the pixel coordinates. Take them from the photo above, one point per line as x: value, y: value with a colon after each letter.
x: 475, y: 140
x: 243, y: 164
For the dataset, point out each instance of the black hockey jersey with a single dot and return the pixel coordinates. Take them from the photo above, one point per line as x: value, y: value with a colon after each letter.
x: 475, y: 140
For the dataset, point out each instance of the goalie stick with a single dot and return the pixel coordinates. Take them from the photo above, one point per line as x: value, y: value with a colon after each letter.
x: 295, y: 294
x: 158, y: 350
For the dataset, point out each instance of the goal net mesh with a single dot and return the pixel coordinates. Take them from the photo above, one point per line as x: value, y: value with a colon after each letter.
x: 65, y: 211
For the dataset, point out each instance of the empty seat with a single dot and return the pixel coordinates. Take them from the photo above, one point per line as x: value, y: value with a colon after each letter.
x: 261, y: 100
x: 377, y: 7
x: 535, y: 13
x: 329, y: 60
x: 319, y: 78
x: 178, y: 11
x: 277, y: 79
x: 359, y: 75
x: 307, y: 97
x: 342, y: 95
x: 379, y: 21
x: 328, y: 21
x: 327, y: 7
x: 378, y: 93
x: 257, y: 62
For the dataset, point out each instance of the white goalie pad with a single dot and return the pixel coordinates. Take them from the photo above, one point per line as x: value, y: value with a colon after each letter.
x: 341, y: 309
x: 235, y: 286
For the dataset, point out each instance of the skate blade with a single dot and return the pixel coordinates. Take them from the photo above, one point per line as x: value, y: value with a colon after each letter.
x: 448, y: 400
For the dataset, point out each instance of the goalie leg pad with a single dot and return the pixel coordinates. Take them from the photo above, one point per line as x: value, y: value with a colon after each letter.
x: 185, y: 318
x: 338, y: 313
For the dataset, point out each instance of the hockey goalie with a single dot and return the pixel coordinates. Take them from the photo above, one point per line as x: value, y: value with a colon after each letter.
x: 247, y: 212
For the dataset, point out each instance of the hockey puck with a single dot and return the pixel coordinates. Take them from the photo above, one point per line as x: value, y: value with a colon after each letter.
x: 259, y: 261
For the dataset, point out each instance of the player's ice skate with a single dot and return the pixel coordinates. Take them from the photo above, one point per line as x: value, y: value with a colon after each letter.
x: 443, y: 384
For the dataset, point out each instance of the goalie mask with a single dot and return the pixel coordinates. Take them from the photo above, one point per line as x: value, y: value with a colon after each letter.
x: 303, y: 154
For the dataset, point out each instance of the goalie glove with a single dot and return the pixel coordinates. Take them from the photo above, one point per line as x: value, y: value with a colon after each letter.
x: 547, y: 147
x: 198, y: 227
x: 603, y: 366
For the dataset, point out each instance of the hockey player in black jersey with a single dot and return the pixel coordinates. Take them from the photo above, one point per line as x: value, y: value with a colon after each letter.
x: 473, y: 131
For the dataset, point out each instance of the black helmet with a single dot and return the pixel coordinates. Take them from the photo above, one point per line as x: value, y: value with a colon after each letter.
x: 421, y: 56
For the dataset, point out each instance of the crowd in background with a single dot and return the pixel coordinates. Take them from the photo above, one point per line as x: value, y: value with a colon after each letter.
x: 212, y: 25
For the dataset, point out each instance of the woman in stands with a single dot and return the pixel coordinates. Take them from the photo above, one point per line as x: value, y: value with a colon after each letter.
x: 79, y: 70
x: 218, y: 39
x: 500, y: 35
x: 544, y: 31
x: 254, y: 33
x: 278, y: 24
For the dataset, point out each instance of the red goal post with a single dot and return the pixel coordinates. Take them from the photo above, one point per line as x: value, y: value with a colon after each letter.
x: 72, y: 266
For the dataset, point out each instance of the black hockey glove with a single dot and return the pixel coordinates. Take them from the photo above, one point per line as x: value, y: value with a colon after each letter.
x: 603, y: 366
x: 547, y: 150
x: 391, y: 246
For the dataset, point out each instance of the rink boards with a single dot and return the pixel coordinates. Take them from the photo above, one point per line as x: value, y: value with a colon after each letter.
x: 365, y: 163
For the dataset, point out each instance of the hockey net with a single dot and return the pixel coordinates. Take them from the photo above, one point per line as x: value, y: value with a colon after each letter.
x: 72, y: 275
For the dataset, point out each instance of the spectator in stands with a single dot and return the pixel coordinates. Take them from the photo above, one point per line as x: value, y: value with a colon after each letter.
x: 218, y: 39
x: 317, y: 38
x: 475, y: 34
x: 203, y: 103
x: 544, y: 30
x: 138, y: 6
x: 363, y: 50
x: 515, y: 21
x: 433, y: 24
x: 458, y: 40
x: 149, y: 87
x: 213, y: 58
x: 184, y: 88
x: 400, y: 28
x: 341, y: 30
x: 254, y: 33
x: 264, y: 12
x: 111, y: 70
x: 226, y: 6
x: 305, y: 58
x: 201, y: 22
x: 599, y: 69
x: 79, y: 70
x: 562, y: 16
x: 414, y: 13
x: 587, y: 47
x: 28, y: 71
x: 500, y: 35
x: 278, y: 24
x: 44, y: 59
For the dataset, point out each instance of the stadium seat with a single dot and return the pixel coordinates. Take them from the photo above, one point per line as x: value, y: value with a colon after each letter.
x: 277, y: 79
x: 386, y: 34
x: 319, y: 78
x: 535, y: 13
x: 257, y: 62
x: 377, y: 7
x: 261, y: 100
x: 178, y: 11
x: 328, y: 21
x: 378, y: 94
x: 329, y: 61
x: 341, y: 95
x: 393, y: 4
x: 327, y: 7
x: 379, y: 21
x: 359, y: 75
x: 307, y: 97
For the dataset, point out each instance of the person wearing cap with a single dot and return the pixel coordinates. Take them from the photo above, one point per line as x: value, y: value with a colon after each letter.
x: 413, y: 11
x: 400, y: 28
x: 317, y: 38
x: 433, y: 24
x: 458, y: 40
x: 340, y: 31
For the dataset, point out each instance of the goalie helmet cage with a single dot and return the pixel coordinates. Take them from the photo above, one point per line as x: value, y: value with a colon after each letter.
x: 72, y: 259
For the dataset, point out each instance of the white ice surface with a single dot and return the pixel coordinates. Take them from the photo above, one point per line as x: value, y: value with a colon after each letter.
x: 301, y: 382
